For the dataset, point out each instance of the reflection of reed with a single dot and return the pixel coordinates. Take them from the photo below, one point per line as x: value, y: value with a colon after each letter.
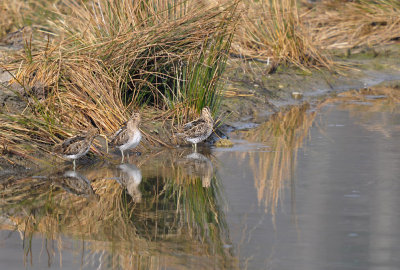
x: 73, y: 182
x: 364, y: 104
x: 284, y: 133
x: 176, y: 219
x: 197, y: 165
x: 189, y: 179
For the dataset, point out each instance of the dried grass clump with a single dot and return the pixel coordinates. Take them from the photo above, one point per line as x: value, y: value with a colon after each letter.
x: 15, y: 14
x: 105, y: 58
x: 128, y: 53
x: 274, y: 31
x: 343, y: 25
x: 28, y: 137
x: 11, y: 15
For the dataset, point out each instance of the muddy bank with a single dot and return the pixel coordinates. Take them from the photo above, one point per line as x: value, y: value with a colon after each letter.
x: 11, y: 95
x: 251, y: 93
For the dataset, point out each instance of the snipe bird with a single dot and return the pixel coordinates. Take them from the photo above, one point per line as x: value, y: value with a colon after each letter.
x: 128, y: 136
x: 198, y: 130
x: 76, y: 147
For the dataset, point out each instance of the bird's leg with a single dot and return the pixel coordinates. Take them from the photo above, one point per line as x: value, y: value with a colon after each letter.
x: 122, y: 153
x: 128, y: 155
x: 105, y: 137
x: 195, y: 147
x: 74, y: 163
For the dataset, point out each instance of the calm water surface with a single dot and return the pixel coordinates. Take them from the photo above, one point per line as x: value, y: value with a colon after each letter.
x: 310, y: 189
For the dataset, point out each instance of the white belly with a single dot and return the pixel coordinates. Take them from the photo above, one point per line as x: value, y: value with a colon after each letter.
x: 133, y: 142
x: 78, y: 155
x: 199, y: 138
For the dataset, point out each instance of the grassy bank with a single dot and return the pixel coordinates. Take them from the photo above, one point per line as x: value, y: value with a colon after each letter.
x: 93, y: 63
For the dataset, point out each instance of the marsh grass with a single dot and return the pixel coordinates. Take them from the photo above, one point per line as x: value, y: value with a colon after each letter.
x: 293, y: 32
x: 104, y: 59
x: 17, y: 130
x: 95, y: 62
x: 15, y: 14
x: 351, y: 24
x: 11, y: 15
x: 273, y: 31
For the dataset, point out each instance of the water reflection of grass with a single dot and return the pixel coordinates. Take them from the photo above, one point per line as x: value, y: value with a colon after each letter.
x: 177, y: 219
x: 377, y: 99
x: 364, y: 104
x: 286, y: 131
x: 284, y: 134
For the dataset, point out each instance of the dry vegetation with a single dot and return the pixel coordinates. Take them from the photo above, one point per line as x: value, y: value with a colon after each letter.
x: 103, y: 59
x: 274, y: 31
x: 296, y: 32
x: 90, y: 63
x: 350, y: 24
x: 11, y: 13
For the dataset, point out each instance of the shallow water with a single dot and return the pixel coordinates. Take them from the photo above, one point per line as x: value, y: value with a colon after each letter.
x: 310, y: 189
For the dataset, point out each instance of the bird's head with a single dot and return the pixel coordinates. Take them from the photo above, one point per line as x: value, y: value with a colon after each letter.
x: 93, y: 132
x: 135, y: 119
x: 136, y: 116
x: 205, y: 112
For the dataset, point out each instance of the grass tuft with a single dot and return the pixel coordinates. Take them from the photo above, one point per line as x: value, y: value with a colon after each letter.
x: 274, y: 31
x: 345, y: 25
x: 104, y: 59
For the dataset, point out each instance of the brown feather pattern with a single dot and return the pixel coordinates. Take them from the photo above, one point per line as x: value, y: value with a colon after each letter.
x: 120, y: 137
x: 128, y: 136
x: 77, y: 145
x: 199, y: 129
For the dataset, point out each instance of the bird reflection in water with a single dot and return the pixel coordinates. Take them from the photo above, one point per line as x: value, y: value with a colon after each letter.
x: 73, y: 182
x: 199, y: 165
x: 130, y: 178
